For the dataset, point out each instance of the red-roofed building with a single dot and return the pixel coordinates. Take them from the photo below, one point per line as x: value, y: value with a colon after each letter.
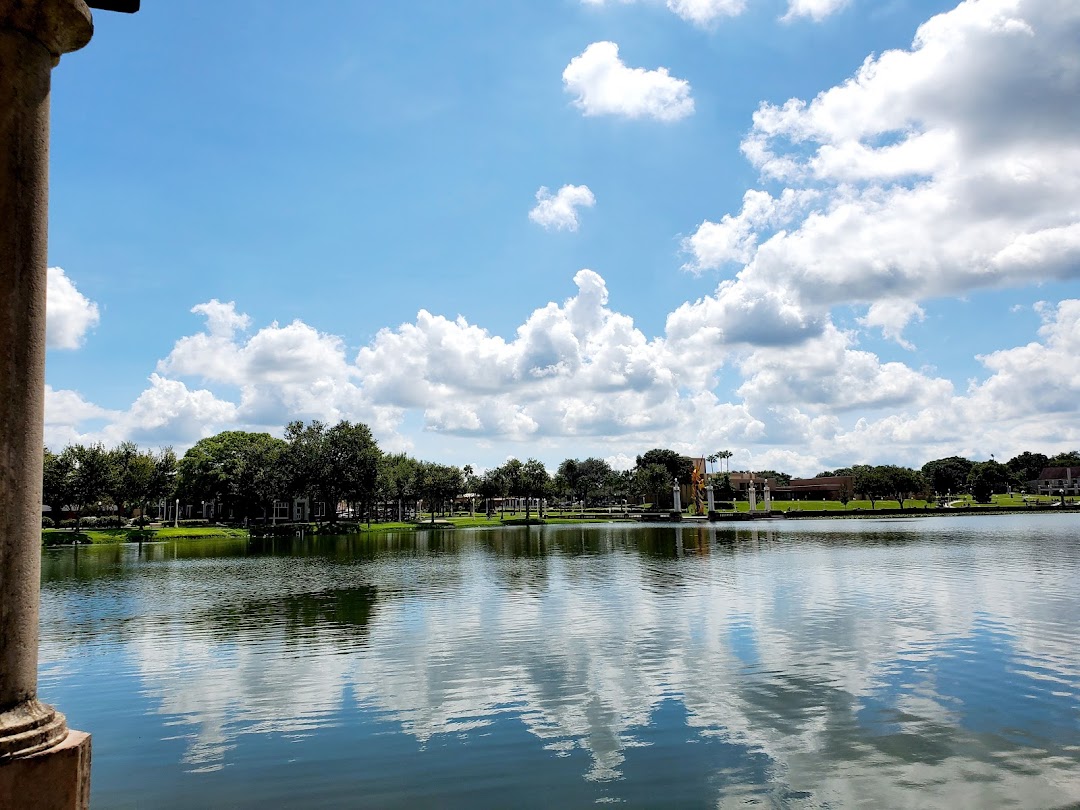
x: 1055, y: 480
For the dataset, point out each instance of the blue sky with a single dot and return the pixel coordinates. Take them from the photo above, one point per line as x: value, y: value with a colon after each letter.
x: 345, y: 197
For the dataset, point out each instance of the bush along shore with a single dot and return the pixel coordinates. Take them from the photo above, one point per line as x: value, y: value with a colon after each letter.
x: 95, y: 532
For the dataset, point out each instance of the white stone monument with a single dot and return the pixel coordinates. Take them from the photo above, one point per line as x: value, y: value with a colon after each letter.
x: 678, y: 496
x: 768, y: 498
x: 752, y: 492
x: 711, y: 497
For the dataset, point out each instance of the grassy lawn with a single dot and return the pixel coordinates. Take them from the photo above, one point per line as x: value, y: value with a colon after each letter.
x: 1018, y: 501
x: 105, y: 536
x: 832, y: 506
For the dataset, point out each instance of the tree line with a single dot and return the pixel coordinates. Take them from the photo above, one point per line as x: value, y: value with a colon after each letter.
x: 245, y: 474
x: 953, y: 475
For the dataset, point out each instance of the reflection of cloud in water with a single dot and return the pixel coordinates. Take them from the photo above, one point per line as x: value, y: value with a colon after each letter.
x: 868, y: 672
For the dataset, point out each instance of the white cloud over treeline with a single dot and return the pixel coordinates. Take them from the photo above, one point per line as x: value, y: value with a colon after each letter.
x: 932, y: 172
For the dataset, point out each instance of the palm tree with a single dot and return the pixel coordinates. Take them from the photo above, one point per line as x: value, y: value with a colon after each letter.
x: 724, y: 455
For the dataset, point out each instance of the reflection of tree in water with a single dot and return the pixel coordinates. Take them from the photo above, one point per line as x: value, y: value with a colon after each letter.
x: 297, y: 615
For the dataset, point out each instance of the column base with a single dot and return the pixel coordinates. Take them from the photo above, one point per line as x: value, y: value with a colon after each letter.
x: 55, y: 779
x: 30, y: 727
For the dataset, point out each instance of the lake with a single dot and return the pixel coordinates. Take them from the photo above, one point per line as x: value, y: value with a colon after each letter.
x: 927, y: 662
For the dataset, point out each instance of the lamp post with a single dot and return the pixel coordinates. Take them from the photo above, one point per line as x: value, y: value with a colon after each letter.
x: 34, y: 34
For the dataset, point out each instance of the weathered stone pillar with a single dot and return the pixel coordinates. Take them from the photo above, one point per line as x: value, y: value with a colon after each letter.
x: 677, y: 496
x: 33, y: 35
x: 711, y: 496
x: 752, y: 494
x: 768, y: 498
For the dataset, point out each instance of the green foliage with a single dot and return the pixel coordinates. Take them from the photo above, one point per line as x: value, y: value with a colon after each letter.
x: 1026, y: 467
x: 58, y: 480
x: 90, y: 476
x: 677, y: 466
x: 782, y: 479
x: 329, y: 465
x: 725, y: 492
x: 870, y: 482
x: 1069, y: 459
x: 437, y: 484
x: 987, y: 478
x: 901, y: 482
x: 947, y: 474
x: 654, y: 479
x: 212, y: 470
x: 838, y: 472
x: 581, y: 479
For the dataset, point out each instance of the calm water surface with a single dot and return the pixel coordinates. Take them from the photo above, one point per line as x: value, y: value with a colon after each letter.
x: 929, y: 663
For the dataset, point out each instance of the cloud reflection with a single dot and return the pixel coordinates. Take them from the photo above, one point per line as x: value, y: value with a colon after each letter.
x: 880, y: 667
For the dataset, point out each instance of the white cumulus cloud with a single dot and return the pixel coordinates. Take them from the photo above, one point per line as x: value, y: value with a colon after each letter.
x: 933, y: 171
x: 69, y: 314
x: 603, y: 85
x: 705, y: 13
x: 559, y: 211
x: 816, y: 10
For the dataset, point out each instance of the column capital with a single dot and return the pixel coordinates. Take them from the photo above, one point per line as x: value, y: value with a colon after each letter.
x: 62, y: 26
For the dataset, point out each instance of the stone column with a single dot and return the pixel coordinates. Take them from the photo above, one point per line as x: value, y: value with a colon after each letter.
x: 33, y: 35
x: 677, y: 496
x: 711, y: 496
x: 768, y: 498
x: 752, y: 494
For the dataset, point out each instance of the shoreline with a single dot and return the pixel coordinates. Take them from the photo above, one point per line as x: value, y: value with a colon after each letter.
x: 58, y: 538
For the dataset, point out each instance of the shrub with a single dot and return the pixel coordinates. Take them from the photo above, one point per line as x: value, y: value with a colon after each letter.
x: 47, y: 522
x: 63, y: 538
x: 193, y: 523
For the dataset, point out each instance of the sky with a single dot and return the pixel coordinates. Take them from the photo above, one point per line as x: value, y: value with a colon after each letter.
x: 811, y: 232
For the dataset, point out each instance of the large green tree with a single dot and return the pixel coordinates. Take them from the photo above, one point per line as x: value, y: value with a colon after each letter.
x: 90, y: 477
x: 131, y: 476
x: 534, y: 484
x: 330, y: 464
x: 58, y: 487
x: 654, y: 479
x: 212, y: 470
x: 871, y: 483
x: 948, y: 474
x: 676, y: 466
x: 398, y: 479
x: 1068, y: 459
x: 260, y: 477
x: 987, y: 478
x: 492, y: 485
x: 437, y: 484
x: 902, y: 482
x: 1026, y: 466
x: 352, y: 467
x: 583, y: 478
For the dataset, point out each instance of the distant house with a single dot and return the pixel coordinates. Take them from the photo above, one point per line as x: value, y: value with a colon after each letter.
x: 741, y: 481
x: 827, y: 488
x: 1055, y: 480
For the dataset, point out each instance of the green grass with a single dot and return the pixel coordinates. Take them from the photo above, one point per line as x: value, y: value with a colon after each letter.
x: 112, y: 536
x: 831, y: 506
x: 180, y: 533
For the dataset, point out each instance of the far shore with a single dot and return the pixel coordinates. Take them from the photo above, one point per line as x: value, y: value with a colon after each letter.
x: 156, y: 533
